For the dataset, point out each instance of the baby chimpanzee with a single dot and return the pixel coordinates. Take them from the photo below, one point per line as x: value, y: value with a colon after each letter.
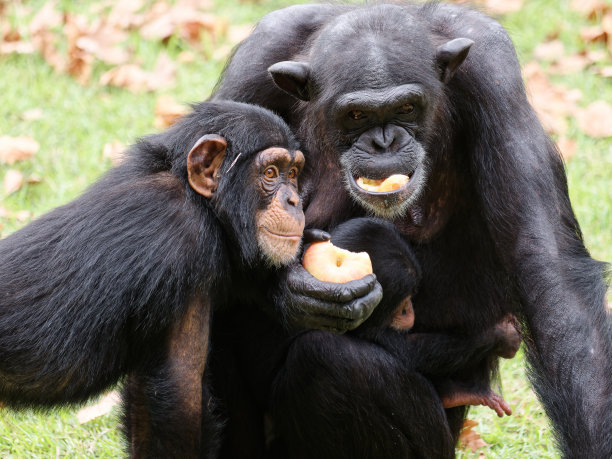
x: 368, y: 393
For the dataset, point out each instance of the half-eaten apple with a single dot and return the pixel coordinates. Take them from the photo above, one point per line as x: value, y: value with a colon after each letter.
x: 329, y: 263
x: 393, y: 182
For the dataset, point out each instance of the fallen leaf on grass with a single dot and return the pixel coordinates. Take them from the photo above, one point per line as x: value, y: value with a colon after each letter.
x: 596, y: 119
x: 549, y: 51
x: 589, y: 8
x: 23, y: 215
x: 167, y: 111
x: 13, y: 149
x: 13, y: 181
x: 570, y: 64
x: 136, y: 79
x: 593, y: 34
x: 104, y: 406
x: 503, y: 6
x: 115, y: 151
x: 469, y: 438
x: 567, y: 147
x: 32, y: 114
x: 183, y: 20
x: 552, y: 103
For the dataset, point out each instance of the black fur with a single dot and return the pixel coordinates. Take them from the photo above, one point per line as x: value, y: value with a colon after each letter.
x: 493, y: 229
x: 91, y: 291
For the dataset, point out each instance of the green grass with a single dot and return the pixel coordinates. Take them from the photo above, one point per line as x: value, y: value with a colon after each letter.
x: 78, y: 121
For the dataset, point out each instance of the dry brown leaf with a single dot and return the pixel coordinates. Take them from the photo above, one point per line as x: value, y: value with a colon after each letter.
x: 596, y: 119
x: 552, y: 103
x: 567, y: 147
x: 593, y: 34
x: 46, y: 19
x: 167, y: 111
x: 589, y: 8
x: 183, y: 20
x: 23, y: 215
x: 605, y: 72
x: 136, y: 79
x: 104, y: 406
x: 32, y: 114
x: 101, y: 41
x: 469, y: 438
x: 549, y: 51
x: 503, y: 6
x: 596, y: 55
x: 606, y: 23
x: 570, y: 64
x: 124, y: 14
x: 237, y: 33
x: 13, y: 149
x: 13, y: 181
x: 115, y: 151
x: 18, y: 47
x: 186, y: 57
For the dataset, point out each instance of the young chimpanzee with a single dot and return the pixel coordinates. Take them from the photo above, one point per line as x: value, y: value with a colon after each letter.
x: 122, y: 280
x: 370, y: 392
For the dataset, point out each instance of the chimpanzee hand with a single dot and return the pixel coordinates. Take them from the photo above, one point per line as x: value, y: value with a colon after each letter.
x: 307, y: 302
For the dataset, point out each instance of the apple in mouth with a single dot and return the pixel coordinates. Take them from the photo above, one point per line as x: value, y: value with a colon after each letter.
x: 391, y: 183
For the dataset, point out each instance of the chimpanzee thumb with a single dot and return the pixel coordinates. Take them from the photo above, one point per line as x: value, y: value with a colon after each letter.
x: 315, y: 235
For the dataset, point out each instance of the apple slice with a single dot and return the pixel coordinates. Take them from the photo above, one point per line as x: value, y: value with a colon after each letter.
x: 393, y: 182
x: 329, y: 263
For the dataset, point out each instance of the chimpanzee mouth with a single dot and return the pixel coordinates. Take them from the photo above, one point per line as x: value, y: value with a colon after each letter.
x: 286, y: 236
x: 387, y: 197
x: 392, y: 184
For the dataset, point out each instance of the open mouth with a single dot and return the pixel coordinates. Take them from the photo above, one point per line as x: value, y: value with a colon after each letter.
x: 395, y: 182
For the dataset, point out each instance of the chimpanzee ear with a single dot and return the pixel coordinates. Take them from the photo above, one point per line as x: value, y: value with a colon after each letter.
x: 450, y: 55
x: 292, y: 77
x: 203, y: 163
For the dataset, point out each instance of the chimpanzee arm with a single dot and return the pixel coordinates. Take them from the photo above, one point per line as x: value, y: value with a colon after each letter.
x: 523, y: 193
x: 443, y: 354
x: 173, y: 388
x: 89, y: 289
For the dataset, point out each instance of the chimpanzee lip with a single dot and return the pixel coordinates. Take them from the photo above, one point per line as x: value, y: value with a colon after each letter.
x: 292, y: 236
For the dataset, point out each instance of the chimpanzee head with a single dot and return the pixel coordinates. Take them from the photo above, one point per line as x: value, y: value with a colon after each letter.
x: 245, y: 162
x: 376, y: 88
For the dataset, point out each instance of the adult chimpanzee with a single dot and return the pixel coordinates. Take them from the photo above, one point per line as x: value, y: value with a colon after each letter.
x: 319, y: 387
x: 390, y: 89
x: 122, y: 279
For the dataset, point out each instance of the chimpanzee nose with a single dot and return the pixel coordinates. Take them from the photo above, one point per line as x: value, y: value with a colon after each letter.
x: 293, y: 199
x: 383, y: 138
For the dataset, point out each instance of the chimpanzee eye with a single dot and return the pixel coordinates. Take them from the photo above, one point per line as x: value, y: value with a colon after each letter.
x: 293, y: 173
x: 406, y: 109
x: 271, y: 172
x: 356, y: 114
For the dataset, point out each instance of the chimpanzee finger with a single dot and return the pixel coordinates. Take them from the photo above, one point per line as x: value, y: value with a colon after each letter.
x: 315, y: 235
x: 302, y: 282
x: 313, y: 313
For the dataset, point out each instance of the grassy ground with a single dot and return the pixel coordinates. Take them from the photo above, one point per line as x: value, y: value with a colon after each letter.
x: 78, y: 121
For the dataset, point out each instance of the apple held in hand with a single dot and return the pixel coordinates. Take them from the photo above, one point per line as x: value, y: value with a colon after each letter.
x: 329, y: 263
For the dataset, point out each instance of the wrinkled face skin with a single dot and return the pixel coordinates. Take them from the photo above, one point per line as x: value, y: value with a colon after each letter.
x: 280, y: 221
x: 383, y: 161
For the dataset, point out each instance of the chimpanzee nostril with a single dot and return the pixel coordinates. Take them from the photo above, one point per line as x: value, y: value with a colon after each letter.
x: 383, y: 139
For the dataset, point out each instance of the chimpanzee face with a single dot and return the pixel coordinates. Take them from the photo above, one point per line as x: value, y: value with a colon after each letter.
x: 376, y: 98
x: 384, y: 162
x: 280, y: 219
x: 263, y: 206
